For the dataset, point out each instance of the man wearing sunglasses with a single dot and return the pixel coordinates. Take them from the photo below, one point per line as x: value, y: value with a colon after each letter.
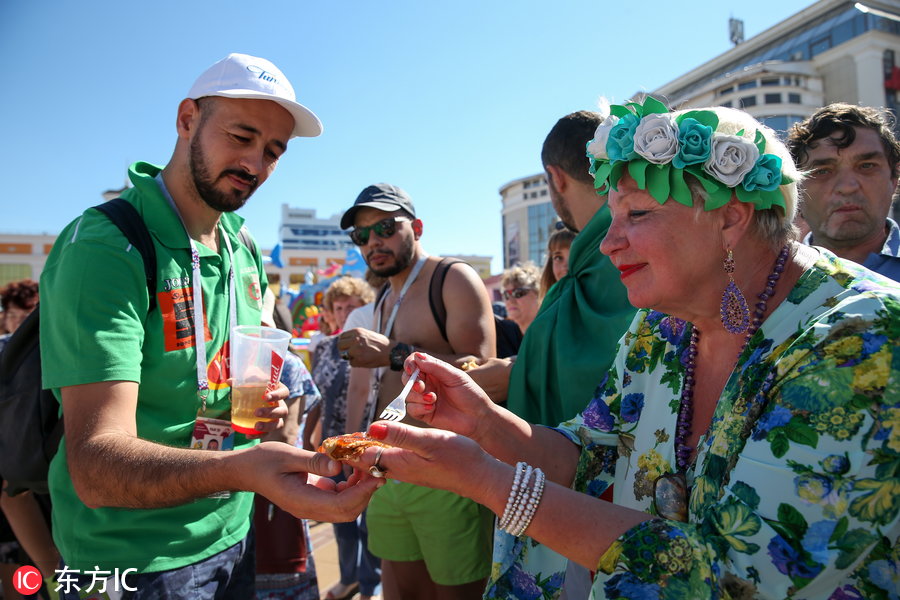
x: 456, y: 560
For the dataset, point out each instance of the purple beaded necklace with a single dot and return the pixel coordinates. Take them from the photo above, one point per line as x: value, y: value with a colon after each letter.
x: 686, y: 409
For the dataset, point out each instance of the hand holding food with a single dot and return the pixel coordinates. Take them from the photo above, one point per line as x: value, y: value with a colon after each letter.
x: 349, y: 446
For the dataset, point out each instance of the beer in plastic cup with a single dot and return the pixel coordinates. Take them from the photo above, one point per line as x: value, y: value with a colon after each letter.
x: 257, y: 353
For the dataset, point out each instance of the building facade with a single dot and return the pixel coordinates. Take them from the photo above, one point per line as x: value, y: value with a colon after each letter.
x: 307, y: 245
x: 22, y: 256
x: 309, y: 248
x: 528, y: 220
x: 832, y: 51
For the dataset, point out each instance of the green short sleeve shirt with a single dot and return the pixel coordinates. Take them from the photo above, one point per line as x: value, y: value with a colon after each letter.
x: 95, y: 326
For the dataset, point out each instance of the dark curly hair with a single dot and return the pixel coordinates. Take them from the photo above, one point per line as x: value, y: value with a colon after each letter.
x: 22, y: 294
x: 842, y: 118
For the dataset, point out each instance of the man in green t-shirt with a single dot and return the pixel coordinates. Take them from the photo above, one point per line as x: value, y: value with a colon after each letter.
x: 141, y: 500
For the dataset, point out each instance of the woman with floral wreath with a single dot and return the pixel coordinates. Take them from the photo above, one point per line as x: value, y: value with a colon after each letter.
x: 750, y: 423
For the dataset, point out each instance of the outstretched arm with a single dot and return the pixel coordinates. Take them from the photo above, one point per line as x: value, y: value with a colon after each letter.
x: 447, y: 398
x: 576, y: 525
x: 111, y: 466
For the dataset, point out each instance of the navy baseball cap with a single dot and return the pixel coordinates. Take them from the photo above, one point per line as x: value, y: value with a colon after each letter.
x: 381, y: 196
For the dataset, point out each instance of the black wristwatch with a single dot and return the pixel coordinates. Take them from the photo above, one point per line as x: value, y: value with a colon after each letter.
x: 399, y: 354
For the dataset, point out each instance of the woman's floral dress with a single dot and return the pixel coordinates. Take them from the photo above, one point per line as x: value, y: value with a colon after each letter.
x: 796, y: 487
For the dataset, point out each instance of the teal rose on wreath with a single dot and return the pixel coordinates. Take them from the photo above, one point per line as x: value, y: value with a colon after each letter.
x: 620, y: 145
x: 694, y: 138
x: 765, y: 174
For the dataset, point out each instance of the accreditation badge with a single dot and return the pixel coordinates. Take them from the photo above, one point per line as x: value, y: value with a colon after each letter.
x: 212, y: 434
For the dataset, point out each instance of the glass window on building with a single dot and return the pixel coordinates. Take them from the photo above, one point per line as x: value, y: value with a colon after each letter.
x: 795, y: 99
x: 770, y: 81
x: 819, y: 46
x: 726, y: 90
x: 746, y: 85
x: 781, y: 123
x: 835, y: 27
x: 727, y: 104
x: 772, y: 98
x: 748, y: 101
x: 846, y: 30
x: 541, y: 223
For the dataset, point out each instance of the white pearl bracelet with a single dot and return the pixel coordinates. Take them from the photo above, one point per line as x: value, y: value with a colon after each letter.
x: 520, y: 481
x: 523, y: 499
x: 519, y: 527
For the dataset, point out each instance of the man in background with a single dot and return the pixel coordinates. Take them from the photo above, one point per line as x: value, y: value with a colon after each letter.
x: 851, y: 156
x: 433, y: 544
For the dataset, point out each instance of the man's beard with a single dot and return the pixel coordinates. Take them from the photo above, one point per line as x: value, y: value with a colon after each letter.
x: 559, y: 205
x: 205, y: 184
x: 401, y: 260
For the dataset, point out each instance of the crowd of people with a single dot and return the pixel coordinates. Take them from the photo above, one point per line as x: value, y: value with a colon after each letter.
x: 700, y: 403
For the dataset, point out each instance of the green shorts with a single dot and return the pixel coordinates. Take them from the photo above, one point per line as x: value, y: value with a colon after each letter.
x: 452, y: 534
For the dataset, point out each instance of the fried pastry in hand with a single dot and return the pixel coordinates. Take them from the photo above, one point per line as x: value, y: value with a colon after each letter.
x: 348, y: 446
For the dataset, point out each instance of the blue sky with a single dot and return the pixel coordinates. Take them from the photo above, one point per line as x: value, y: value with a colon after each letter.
x: 448, y: 100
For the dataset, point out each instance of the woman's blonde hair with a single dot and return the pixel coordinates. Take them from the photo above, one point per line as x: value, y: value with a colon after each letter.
x: 348, y: 287
x: 524, y: 275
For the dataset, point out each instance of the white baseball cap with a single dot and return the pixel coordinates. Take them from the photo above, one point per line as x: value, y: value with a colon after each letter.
x: 245, y: 76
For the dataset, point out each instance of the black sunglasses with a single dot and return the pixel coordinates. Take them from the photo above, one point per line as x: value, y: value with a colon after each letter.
x: 516, y: 293
x: 383, y: 229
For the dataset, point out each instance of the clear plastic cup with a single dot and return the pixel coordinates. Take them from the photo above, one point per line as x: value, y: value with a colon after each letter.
x: 257, y: 354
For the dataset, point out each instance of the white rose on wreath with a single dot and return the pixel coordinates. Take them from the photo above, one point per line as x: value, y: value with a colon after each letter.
x: 597, y: 146
x: 656, y: 138
x: 731, y: 157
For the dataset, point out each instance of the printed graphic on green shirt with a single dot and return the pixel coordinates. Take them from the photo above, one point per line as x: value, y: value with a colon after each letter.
x: 251, y: 287
x: 177, y: 307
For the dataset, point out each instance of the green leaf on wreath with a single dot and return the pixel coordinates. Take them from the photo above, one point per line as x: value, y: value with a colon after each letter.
x: 680, y: 190
x: 638, y: 171
x: 704, y: 117
x: 652, y: 106
x: 718, y: 198
x: 617, y: 110
x: 658, y: 182
x: 760, y: 141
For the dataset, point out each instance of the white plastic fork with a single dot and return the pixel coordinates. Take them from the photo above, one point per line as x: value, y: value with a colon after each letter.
x: 396, y: 410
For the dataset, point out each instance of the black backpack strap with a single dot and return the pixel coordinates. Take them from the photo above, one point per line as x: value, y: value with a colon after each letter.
x: 126, y: 217
x: 436, y: 294
x: 19, y: 344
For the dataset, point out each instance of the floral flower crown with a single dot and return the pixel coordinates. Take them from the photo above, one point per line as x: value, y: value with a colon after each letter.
x: 658, y: 148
